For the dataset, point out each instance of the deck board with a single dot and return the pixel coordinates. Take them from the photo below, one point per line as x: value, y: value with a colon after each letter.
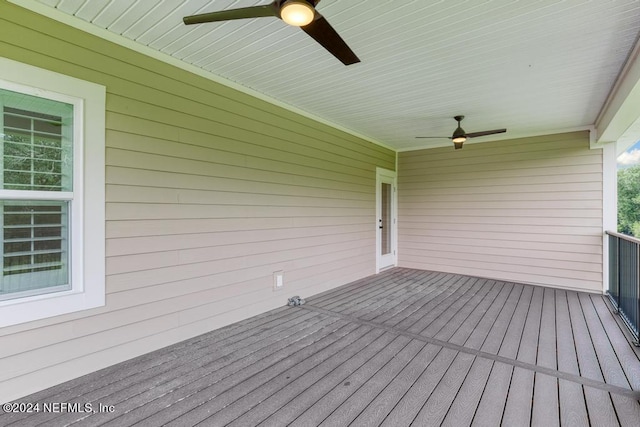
x: 626, y: 353
x: 573, y: 409
x: 490, y: 410
x: 436, y: 408
x: 214, y: 374
x: 408, y: 302
x: 463, y: 408
x: 404, y: 347
x: 431, y: 322
x: 379, y: 407
x: 385, y: 303
x: 517, y: 410
x: 343, y: 408
x: 447, y: 286
x: 458, y: 328
x: 599, y: 404
x: 495, y: 338
x: 281, y: 390
x: 612, y: 371
x: 545, y: 401
x: 210, y: 393
x: 378, y: 302
x: 143, y: 373
x: 513, y: 334
x: 412, y: 402
x: 519, y: 402
x: 488, y: 320
x: 545, y: 394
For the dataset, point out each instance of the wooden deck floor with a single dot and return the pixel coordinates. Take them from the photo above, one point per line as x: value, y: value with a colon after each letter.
x: 405, y: 347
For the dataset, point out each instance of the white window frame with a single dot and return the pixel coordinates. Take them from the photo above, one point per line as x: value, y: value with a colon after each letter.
x: 87, y: 208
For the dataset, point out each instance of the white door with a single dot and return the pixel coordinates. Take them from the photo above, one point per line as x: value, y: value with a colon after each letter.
x: 385, y: 219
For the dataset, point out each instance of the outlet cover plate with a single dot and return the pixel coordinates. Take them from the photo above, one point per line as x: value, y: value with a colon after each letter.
x: 278, y: 280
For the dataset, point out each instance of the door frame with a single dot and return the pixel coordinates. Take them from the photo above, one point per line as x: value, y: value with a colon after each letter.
x: 388, y: 177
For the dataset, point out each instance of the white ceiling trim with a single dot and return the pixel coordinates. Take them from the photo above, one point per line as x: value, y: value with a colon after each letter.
x: 618, y: 118
x: 78, y: 23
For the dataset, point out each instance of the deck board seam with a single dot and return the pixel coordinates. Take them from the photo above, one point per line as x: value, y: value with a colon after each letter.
x: 512, y: 362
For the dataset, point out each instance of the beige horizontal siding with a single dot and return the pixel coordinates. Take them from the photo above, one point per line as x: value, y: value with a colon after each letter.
x: 209, y: 191
x: 526, y: 210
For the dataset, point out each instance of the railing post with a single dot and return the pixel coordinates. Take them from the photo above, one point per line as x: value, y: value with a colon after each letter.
x: 614, y: 271
x: 619, y: 275
x: 637, y: 302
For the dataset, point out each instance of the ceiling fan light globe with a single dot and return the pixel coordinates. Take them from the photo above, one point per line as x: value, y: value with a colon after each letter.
x: 459, y: 139
x: 297, y: 13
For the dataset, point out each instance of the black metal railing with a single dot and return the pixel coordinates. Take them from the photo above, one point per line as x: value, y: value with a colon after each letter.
x: 624, y: 279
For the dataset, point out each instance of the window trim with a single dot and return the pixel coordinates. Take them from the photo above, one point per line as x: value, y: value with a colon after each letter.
x: 88, y: 207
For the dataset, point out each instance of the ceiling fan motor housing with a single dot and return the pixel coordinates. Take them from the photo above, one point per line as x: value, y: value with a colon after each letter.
x: 458, y: 133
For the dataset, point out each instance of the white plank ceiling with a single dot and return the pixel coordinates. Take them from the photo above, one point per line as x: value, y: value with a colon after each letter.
x: 532, y: 66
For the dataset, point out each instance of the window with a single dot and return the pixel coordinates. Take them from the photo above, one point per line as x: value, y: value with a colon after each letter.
x: 37, y: 155
x: 51, y: 212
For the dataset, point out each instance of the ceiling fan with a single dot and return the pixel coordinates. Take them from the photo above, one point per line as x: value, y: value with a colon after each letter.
x: 460, y: 136
x: 299, y: 13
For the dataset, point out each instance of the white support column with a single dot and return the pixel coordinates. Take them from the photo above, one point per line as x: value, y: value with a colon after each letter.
x: 609, y: 205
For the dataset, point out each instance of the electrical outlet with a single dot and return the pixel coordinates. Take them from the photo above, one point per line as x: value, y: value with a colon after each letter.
x: 278, y: 280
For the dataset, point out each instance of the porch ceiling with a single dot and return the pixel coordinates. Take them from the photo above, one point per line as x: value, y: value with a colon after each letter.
x: 534, y: 67
x: 405, y: 346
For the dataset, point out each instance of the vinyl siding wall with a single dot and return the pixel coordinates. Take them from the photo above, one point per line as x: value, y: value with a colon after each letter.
x: 526, y: 210
x: 209, y: 192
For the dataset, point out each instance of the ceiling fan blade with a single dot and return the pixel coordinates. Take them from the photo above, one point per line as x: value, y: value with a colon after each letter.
x: 227, y: 15
x: 434, y: 137
x: 484, y: 133
x: 322, y: 32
